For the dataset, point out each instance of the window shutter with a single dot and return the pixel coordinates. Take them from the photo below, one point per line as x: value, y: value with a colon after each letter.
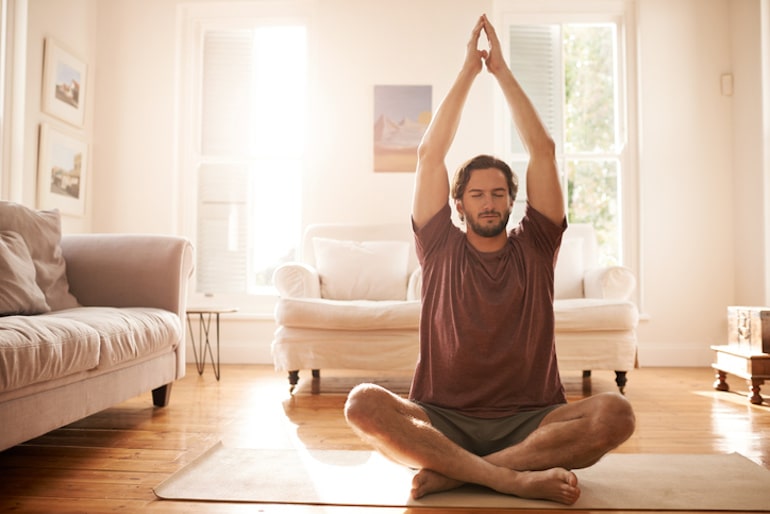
x: 536, y: 62
x: 223, y: 229
x: 226, y: 92
x: 223, y: 189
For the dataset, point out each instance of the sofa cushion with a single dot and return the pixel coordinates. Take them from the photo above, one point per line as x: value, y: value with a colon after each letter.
x: 347, y: 315
x: 19, y: 293
x: 589, y: 314
x: 41, y: 231
x: 126, y: 333
x: 38, y: 348
x: 362, y: 270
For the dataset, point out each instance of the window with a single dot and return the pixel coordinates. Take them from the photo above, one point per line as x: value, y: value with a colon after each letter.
x: 573, y: 68
x: 245, y: 152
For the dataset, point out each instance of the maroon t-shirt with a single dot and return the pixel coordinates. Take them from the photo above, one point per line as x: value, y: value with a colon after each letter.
x: 487, y: 324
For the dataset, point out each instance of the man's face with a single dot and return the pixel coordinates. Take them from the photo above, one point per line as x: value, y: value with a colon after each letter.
x: 486, y: 204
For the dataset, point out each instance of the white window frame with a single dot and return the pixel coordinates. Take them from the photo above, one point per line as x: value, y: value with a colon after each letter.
x: 194, y: 19
x: 622, y: 13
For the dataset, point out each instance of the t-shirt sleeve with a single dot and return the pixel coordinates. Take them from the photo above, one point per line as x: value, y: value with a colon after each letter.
x: 540, y: 232
x: 433, y: 234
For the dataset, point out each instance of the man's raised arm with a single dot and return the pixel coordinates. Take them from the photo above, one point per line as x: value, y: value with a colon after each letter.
x: 543, y: 184
x: 431, y: 188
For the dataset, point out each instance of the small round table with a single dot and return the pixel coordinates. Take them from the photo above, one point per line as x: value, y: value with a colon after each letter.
x: 204, y: 343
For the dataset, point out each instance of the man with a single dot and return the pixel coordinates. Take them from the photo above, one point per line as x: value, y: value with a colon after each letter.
x: 487, y: 405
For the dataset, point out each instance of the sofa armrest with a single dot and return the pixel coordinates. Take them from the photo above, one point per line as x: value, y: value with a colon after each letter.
x: 129, y: 270
x: 610, y: 283
x: 297, y: 280
x: 414, y: 287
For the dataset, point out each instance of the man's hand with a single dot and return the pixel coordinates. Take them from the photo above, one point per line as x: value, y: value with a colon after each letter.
x: 494, y: 56
x: 474, y: 58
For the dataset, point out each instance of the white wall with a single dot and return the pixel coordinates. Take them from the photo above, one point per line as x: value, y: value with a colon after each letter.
x: 686, y: 179
x: 748, y: 137
x: 693, y: 140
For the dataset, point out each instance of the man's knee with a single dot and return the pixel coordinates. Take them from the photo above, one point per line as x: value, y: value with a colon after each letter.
x: 615, y: 417
x: 362, y: 405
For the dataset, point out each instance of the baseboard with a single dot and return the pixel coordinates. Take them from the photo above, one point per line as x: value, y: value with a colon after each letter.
x: 241, y: 341
x: 675, y: 354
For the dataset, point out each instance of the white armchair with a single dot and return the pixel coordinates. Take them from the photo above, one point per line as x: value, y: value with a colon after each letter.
x: 595, y: 318
x: 352, y: 302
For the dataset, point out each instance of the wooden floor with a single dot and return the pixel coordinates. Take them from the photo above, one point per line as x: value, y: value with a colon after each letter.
x: 110, y: 461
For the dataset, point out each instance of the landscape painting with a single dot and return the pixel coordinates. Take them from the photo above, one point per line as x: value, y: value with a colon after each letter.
x: 401, y: 116
x: 61, y: 172
x: 64, y: 80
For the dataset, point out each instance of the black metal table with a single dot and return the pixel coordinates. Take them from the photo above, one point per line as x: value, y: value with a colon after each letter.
x: 204, y: 341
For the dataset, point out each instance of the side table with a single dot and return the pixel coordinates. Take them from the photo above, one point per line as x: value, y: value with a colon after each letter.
x: 204, y: 343
x: 753, y: 367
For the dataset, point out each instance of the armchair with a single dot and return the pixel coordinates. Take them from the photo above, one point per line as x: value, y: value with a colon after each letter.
x: 351, y: 302
x: 595, y: 319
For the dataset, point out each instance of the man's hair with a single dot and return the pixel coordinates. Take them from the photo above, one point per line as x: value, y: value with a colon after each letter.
x: 480, y: 162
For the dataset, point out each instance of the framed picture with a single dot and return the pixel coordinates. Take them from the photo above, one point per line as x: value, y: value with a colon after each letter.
x: 62, y: 172
x: 401, y: 116
x: 64, y: 84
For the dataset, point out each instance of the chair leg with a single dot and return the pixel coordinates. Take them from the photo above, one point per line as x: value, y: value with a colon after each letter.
x: 586, y: 381
x: 293, y: 379
x: 621, y: 379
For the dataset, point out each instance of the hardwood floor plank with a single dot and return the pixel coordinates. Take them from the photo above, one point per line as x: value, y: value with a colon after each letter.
x: 110, y: 462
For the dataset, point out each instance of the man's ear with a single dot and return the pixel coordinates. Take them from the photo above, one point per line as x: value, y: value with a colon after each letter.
x: 460, y: 210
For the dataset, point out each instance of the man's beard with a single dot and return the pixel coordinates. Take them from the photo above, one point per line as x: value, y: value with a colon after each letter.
x: 486, y: 230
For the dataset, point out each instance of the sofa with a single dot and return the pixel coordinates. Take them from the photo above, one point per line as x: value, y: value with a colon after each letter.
x: 86, y: 321
x: 352, y: 301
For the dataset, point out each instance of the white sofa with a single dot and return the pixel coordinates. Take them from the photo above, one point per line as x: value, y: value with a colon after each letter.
x: 351, y: 304
x: 88, y: 321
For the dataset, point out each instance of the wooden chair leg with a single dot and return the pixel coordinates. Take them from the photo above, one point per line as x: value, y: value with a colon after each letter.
x: 586, y: 381
x: 621, y: 379
x: 293, y: 379
x: 315, y: 385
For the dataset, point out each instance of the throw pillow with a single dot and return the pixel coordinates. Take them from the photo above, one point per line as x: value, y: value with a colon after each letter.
x: 19, y: 293
x: 41, y: 231
x: 568, y: 275
x: 362, y: 270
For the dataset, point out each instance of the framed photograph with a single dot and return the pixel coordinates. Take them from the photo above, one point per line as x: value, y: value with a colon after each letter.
x: 401, y: 116
x: 62, y: 172
x: 64, y: 84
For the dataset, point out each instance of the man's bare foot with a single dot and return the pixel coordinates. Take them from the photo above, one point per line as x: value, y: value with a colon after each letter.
x: 555, y: 484
x: 427, y: 481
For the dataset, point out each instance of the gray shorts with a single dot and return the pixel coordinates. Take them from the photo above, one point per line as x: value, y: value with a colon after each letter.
x: 483, y: 436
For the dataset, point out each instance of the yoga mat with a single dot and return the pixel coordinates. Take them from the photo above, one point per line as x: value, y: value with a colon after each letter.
x: 339, y: 477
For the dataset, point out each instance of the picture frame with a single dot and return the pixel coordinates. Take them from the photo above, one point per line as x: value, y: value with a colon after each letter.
x: 64, y: 84
x: 62, y: 172
x: 401, y: 117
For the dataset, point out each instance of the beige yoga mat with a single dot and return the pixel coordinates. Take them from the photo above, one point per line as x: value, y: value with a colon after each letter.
x: 338, y: 477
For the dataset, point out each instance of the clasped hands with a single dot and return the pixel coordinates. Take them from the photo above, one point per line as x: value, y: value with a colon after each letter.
x: 492, y: 56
